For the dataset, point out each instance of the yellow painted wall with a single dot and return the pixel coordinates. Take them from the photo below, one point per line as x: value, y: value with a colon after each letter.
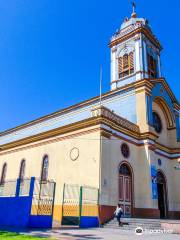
x: 83, y: 171
x: 140, y: 164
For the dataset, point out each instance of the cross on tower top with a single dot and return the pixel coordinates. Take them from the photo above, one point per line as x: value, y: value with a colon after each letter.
x: 134, y: 8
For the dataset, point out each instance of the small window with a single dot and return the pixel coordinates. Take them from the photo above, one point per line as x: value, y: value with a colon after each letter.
x: 3, y: 174
x: 44, y: 171
x: 152, y: 69
x: 126, y: 65
x: 125, y: 150
x: 157, y: 122
x: 22, y: 170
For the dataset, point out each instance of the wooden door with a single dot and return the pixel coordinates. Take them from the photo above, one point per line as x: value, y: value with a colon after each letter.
x: 125, y: 194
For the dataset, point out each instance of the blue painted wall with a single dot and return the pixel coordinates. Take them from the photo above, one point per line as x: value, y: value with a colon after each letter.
x: 157, y: 92
x: 88, y: 222
x: 128, y: 80
x: 123, y: 103
x: 40, y: 221
x: 15, y: 211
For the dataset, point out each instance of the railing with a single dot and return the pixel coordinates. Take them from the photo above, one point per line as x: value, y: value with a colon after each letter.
x: 12, y: 188
x: 8, y: 188
x: 43, y: 197
x: 71, y: 200
x: 24, y: 187
x: 103, y: 111
x: 42, y: 193
x: 79, y: 201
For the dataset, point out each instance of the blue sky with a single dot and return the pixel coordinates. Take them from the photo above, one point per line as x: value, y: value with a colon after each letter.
x: 51, y: 51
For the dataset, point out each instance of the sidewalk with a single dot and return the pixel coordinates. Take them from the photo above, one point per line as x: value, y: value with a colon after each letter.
x: 99, y: 233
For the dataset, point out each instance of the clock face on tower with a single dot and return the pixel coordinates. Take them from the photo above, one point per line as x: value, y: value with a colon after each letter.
x: 157, y: 124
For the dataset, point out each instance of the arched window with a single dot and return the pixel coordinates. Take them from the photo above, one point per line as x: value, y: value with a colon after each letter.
x: 124, y: 170
x: 3, y: 174
x: 22, y: 170
x: 44, y: 171
x: 126, y: 65
x: 157, y: 122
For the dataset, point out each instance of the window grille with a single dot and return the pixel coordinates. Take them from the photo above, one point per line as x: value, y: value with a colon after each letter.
x: 126, y: 65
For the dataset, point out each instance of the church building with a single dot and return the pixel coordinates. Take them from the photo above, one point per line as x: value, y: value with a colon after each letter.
x: 126, y: 146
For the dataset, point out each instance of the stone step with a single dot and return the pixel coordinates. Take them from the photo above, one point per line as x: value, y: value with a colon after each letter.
x: 134, y: 226
x: 139, y: 220
x: 131, y: 227
x: 130, y: 224
x: 136, y: 222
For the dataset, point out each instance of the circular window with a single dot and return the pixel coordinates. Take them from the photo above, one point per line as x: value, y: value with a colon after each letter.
x: 125, y: 150
x: 157, y: 122
x: 74, y: 154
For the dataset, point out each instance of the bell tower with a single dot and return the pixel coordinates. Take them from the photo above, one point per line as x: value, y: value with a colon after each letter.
x: 135, y: 52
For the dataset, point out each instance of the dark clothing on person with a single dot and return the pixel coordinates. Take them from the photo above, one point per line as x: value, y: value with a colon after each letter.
x: 118, y: 214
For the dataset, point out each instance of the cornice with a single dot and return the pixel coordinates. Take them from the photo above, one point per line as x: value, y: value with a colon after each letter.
x: 131, y: 34
x: 69, y: 109
x: 49, y: 134
x: 111, y: 120
x: 101, y: 111
x: 148, y: 140
x: 139, y: 86
x: 97, y: 122
x: 167, y: 149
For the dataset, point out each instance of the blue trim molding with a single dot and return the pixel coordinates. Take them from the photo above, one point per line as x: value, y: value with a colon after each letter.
x: 178, y: 127
x: 149, y: 110
x: 158, y: 91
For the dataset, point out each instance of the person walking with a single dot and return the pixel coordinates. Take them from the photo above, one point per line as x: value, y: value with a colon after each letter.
x: 118, y: 213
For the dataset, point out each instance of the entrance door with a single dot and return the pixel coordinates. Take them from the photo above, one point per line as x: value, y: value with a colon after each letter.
x: 162, y: 195
x: 125, y: 189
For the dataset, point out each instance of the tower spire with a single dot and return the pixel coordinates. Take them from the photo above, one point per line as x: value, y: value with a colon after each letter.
x: 133, y: 15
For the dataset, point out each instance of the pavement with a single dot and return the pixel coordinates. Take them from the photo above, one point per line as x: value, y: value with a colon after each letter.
x: 100, y: 233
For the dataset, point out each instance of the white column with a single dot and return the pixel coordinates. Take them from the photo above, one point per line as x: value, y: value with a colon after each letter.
x: 113, y: 69
x: 145, y: 60
x: 137, y: 58
x: 113, y: 66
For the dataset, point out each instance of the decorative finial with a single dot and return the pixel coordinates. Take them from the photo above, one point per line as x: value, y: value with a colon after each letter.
x: 133, y: 15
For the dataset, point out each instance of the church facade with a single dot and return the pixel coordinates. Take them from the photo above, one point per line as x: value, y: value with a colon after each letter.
x: 127, y: 146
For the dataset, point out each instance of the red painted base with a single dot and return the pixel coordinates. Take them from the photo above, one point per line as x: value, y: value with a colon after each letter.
x: 106, y: 213
x: 146, y: 213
